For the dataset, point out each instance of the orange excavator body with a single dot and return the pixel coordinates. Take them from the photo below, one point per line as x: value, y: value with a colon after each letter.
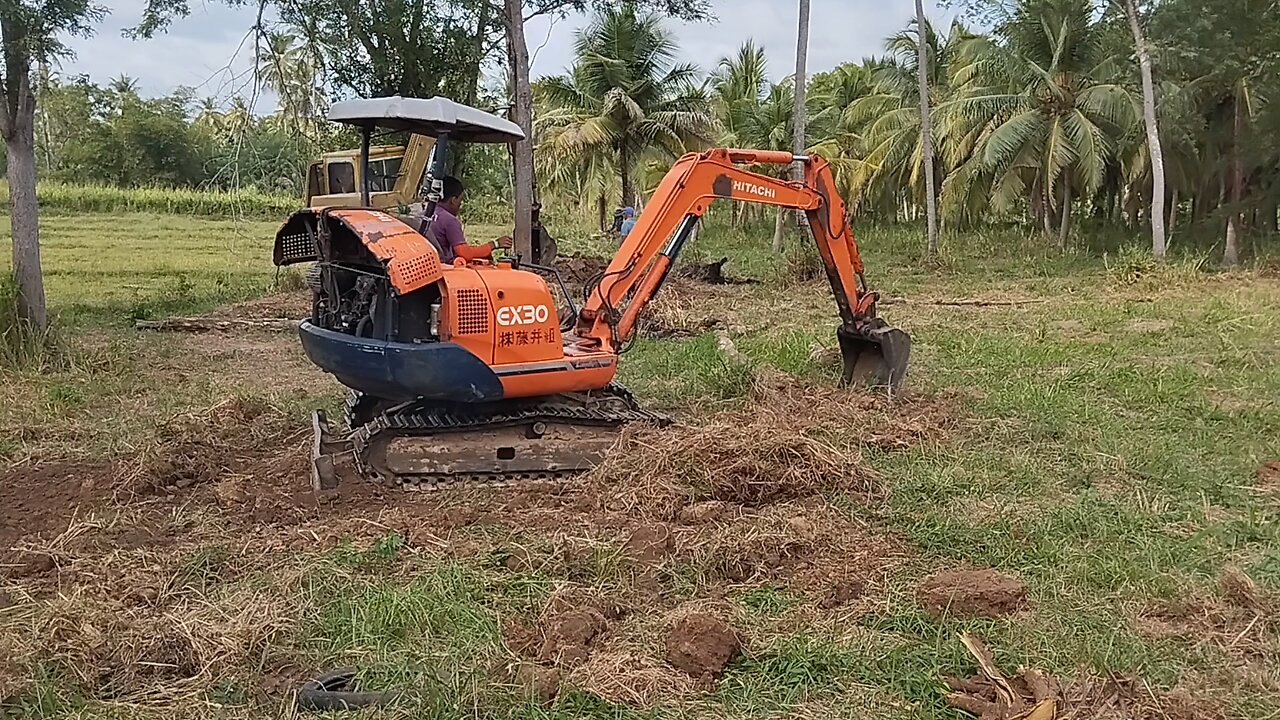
x: 486, y: 337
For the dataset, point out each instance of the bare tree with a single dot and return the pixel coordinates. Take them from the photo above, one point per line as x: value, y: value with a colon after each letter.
x: 1153, y: 129
x: 30, y: 33
x: 798, y: 114
x: 926, y: 129
x: 1235, y: 181
x: 522, y: 111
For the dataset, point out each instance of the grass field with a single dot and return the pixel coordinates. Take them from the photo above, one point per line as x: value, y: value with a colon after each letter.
x: 1102, y: 437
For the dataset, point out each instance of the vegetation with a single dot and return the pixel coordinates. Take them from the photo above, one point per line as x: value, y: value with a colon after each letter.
x: 63, y: 197
x: 1102, y: 447
x: 1036, y: 123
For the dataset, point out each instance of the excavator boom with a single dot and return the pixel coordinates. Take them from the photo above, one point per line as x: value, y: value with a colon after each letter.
x: 873, y: 352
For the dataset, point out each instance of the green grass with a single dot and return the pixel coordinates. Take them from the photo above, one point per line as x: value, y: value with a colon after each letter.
x: 1105, y: 442
x: 62, y: 197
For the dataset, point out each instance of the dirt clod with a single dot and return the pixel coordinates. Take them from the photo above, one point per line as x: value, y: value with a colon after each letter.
x: 568, y: 636
x: 538, y: 682
x: 843, y: 592
x: 1240, y: 590
x: 702, y: 645
x: 1268, y: 474
x: 521, y: 638
x: 972, y: 593
x: 649, y: 544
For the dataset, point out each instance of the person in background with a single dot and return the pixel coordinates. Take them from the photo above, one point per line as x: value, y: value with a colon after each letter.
x: 628, y: 220
x: 617, y: 221
x: 446, y: 228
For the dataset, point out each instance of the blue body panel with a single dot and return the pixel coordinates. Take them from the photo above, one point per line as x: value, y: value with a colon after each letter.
x: 401, y: 371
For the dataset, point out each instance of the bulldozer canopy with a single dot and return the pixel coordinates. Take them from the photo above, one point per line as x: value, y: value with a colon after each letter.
x: 431, y: 117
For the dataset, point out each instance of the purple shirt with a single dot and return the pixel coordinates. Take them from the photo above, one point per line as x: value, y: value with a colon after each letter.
x: 446, y: 233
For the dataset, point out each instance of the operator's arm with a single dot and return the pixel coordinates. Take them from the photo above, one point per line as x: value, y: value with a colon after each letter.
x: 473, y: 252
x: 450, y: 229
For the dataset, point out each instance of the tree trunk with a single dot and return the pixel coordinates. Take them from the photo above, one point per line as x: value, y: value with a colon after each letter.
x: 1231, y: 249
x: 522, y: 111
x: 926, y: 130
x: 1046, y: 218
x: 624, y: 163
x: 778, y: 228
x: 798, y: 114
x: 17, y: 121
x: 1064, y: 228
x: 1153, y: 130
x: 602, y: 210
x: 1172, y: 226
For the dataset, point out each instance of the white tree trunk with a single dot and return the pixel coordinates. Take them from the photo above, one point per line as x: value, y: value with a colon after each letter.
x: 17, y: 121
x: 522, y: 112
x: 798, y: 114
x: 778, y: 228
x: 1064, y: 229
x: 1231, y: 248
x: 926, y: 130
x: 1158, y: 241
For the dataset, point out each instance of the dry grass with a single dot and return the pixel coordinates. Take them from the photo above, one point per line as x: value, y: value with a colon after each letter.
x: 785, y: 444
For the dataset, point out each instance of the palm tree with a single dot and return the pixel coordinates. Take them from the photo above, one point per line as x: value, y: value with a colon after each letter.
x: 288, y: 66
x: 889, y: 117
x: 625, y: 96
x: 738, y: 84
x: 1037, y: 112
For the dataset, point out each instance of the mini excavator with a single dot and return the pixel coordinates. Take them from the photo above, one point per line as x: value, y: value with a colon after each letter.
x: 466, y: 373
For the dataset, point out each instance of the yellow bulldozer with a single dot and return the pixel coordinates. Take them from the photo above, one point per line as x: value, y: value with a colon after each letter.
x: 396, y: 174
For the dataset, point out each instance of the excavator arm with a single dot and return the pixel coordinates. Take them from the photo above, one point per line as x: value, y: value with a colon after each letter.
x: 872, y: 351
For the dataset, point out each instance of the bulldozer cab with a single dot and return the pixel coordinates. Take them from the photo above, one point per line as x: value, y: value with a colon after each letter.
x: 395, y: 171
x: 440, y: 119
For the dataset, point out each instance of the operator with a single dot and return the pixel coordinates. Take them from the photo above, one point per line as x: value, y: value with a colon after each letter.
x: 446, y: 228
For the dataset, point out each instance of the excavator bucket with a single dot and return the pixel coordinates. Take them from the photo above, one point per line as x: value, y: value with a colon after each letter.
x: 875, y: 354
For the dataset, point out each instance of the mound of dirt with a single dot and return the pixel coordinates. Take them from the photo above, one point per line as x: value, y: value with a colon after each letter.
x: 712, y: 273
x: 538, y: 682
x: 1268, y: 475
x: 842, y: 592
x: 757, y: 460
x: 235, y: 436
x: 971, y: 593
x: 649, y: 544
x: 567, y: 637
x: 707, y: 511
x: 580, y: 269
x: 294, y: 305
x: 702, y: 645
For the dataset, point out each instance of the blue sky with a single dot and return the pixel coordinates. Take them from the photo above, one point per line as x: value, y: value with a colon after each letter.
x: 211, y: 50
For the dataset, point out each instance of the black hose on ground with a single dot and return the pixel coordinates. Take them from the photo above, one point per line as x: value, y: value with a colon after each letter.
x: 331, y: 691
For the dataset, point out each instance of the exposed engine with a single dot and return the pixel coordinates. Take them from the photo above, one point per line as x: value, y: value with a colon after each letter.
x: 352, y: 292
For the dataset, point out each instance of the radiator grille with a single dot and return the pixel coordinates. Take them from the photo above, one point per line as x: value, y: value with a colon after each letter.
x: 297, y: 247
x: 415, y: 272
x: 473, y: 312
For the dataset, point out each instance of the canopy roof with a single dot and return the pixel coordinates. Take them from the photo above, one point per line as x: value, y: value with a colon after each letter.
x: 432, y: 118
